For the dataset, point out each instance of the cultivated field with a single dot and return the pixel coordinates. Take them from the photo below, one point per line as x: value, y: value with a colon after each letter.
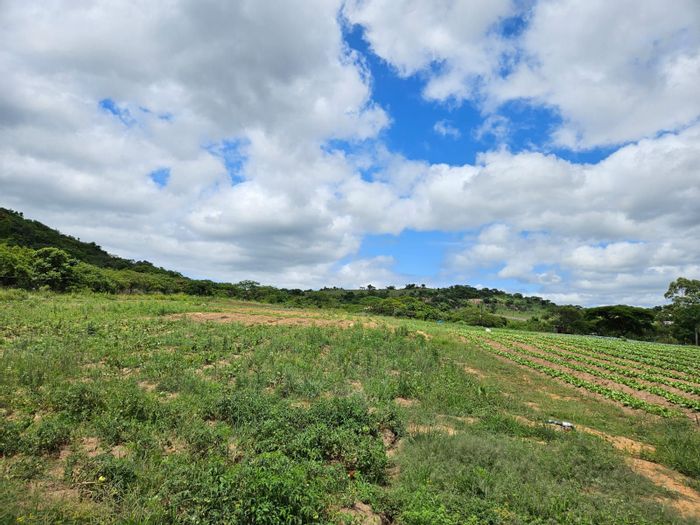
x: 659, y: 379
x: 152, y: 409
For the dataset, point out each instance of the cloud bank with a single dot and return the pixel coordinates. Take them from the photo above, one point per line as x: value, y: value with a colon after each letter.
x: 243, y: 106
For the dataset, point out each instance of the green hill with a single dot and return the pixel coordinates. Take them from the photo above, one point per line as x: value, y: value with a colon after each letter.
x: 16, y: 230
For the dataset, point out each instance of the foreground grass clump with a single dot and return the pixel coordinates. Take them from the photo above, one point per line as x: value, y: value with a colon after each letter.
x: 114, y: 410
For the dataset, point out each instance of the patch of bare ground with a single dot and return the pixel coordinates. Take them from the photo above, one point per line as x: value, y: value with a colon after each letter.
x: 557, y: 397
x: 639, y: 394
x: 147, y: 386
x: 128, y: 372
x: 301, y: 403
x: 469, y: 420
x: 624, y: 444
x: 428, y: 429
x: 53, y: 487
x: 91, y: 446
x: 473, y: 371
x: 170, y: 396
x: 250, y: 318
x: 356, y: 386
x: 174, y: 446
x: 119, y: 452
x: 687, y: 502
x: 423, y: 334
x: 404, y: 402
x: 534, y: 406
x: 362, y: 514
x: 392, y: 443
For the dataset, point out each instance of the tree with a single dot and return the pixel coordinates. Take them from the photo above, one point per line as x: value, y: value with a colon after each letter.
x: 54, y: 268
x: 685, y: 296
x: 15, y: 266
x: 570, y: 320
x: 620, y: 320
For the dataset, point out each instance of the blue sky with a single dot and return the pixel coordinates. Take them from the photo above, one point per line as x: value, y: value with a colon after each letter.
x: 420, y: 255
x: 549, y: 147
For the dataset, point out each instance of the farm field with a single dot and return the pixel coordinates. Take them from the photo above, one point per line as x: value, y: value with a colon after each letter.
x: 178, y: 409
x: 657, y: 378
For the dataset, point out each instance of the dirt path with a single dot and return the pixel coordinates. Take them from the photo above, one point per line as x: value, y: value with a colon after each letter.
x: 688, y: 501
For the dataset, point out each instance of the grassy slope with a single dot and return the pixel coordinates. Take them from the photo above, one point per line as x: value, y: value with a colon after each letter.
x: 115, y: 411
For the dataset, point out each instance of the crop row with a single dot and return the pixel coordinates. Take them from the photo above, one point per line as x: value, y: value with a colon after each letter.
x: 616, y: 395
x: 642, y: 387
x: 592, y: 358
x: 686, y: 363
x: 591, y: 350
x: 690, y: 372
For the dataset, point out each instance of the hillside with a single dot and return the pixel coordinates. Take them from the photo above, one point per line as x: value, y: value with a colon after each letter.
x: 16, y: 230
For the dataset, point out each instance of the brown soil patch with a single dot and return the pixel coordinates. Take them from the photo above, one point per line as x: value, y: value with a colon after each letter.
x: 233, y: 450
x: 300, y: 403
x: 174, y: 446
x: 557, y: 397
x: 119, y: 452
x: 423, y: 334
x: 473, y: 371
x: 532, y: 405
x: 250, y: 318
x: 427, y: 429
x: 147, y: 386
x: 403, y: 402
x: 356, y: 386
x: 91, y: 446
x: 688, y: 502
x: 54, y: 491
x: 389, y: 439
x: 363, y: 514
x: 624, y: 444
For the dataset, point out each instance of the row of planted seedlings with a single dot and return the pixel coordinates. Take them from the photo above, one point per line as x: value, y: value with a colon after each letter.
x: 623, y: 398
x: 645, y: 366
x: 644, y: 352
x: 611, y: 364
x: 566, y: 361
x: 610, y: 348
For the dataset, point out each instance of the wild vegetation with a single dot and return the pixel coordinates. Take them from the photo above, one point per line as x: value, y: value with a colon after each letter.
x: 180, y: 409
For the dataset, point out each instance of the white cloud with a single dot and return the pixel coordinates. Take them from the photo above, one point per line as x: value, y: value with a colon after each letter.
x: 445, y: 129
x: 614, y: 71
x: 252, y: 73
x: 414, y: 36
x: 262, y: 77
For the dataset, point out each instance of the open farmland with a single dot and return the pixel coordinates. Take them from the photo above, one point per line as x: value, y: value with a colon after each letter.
x: 177, y: 409
x: 659, y: 379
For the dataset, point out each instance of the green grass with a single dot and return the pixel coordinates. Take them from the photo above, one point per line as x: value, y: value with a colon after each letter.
x: 115, y: 412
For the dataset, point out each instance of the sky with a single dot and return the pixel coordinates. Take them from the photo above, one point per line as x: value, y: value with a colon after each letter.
x: 547, y: 147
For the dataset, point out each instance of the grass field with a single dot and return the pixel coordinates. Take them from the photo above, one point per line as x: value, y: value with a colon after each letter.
x: 153, y: 409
